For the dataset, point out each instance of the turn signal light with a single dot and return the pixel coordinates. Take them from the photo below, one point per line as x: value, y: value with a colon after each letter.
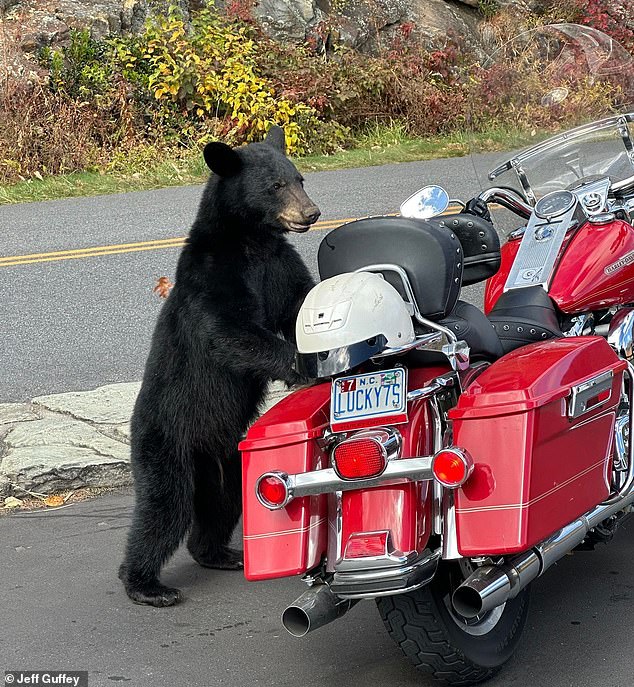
x: 452, y: 467
x: 272, y: 490
x: 359, y: 458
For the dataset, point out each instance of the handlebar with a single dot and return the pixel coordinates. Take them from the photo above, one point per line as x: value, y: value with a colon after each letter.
x: 508, y: 199
x: 623, y: 186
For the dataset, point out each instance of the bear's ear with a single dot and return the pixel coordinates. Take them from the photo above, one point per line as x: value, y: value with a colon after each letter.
x: 276, y: 139
x: 222, y: 159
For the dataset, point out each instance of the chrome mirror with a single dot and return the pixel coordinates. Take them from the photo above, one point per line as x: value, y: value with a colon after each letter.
x: 428, y: 202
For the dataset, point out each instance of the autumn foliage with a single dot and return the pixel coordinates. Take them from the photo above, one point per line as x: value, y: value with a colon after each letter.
x: 121, y: 104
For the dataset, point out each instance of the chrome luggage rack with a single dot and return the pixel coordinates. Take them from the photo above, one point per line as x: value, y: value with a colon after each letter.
x: 457, y: 351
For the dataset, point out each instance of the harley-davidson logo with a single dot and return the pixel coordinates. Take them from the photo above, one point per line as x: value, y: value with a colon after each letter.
x: 627, y: 259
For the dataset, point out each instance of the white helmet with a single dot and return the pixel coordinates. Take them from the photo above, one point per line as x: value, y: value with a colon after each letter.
x: 347, y: 319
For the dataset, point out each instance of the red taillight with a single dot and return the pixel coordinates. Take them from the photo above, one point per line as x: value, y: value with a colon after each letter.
x: 452, y: 467
x: 365, y: 544
x: 272, y: 490
x: 359, y: 458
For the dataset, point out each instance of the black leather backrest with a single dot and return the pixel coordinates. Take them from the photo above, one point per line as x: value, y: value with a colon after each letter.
x: 430, y: 255
x: 480, y: 243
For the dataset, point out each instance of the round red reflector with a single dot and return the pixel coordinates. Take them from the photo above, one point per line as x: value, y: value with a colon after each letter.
x: 359, y: 458
x: 452, y: 467
x: 272, y: 491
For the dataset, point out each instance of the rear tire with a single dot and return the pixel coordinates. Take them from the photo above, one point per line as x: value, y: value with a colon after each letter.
x: 443, y: 644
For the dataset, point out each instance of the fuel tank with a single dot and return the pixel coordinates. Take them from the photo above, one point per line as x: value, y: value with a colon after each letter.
x: 595, y: 269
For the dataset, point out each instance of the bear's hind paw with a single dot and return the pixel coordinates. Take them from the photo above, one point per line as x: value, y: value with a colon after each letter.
x: 228, y: 559
x: 157, y: 595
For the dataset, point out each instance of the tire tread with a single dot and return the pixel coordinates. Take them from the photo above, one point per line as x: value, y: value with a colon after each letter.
x: 411, y: 621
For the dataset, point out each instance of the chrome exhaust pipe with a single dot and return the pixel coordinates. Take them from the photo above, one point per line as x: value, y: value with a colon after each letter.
x: 493, y: 585
x: 315, y: 608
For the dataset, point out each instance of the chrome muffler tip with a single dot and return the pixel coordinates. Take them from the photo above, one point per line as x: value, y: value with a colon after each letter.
x: 296, y: 621
x: 315, y: 608
x: 482, y: 592
x: 491, y: 585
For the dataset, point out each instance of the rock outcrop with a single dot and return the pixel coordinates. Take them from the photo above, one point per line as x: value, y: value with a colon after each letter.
x: 367, y: 25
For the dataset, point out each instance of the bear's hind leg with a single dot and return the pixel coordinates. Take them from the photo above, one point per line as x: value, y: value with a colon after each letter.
x: 217, y: 509
x: 162, y: 516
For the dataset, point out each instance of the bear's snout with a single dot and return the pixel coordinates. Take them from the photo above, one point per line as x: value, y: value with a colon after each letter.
x: 311, y: 215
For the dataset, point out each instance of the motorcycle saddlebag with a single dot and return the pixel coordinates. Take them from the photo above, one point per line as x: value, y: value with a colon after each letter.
x: 291, y: 540
x: 539, y: 424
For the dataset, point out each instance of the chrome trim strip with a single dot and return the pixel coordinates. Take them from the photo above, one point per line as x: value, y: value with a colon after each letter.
x: 437, y: 489
x: 334, y: 551
x: 450, y: 532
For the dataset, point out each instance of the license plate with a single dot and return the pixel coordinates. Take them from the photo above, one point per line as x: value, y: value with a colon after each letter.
x: 368, y: 400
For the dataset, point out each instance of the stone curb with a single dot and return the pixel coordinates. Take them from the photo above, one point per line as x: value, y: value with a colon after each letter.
x: 73, y: 440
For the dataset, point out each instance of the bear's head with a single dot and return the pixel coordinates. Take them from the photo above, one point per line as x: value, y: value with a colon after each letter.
x: 258, y: 185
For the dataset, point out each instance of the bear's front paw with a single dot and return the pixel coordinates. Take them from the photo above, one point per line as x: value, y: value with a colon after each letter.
x: 293, y: 378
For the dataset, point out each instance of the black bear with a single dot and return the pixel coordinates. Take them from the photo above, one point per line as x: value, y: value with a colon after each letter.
x: 226, y: 330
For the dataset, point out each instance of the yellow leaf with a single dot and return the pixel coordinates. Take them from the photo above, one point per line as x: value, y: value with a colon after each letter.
x: 12, y: 502
x: 54, y: 501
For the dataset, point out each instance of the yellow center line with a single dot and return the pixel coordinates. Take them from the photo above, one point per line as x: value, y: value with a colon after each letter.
x: 118, y: 248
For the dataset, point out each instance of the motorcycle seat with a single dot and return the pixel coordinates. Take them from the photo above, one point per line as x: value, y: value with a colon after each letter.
x: 520, y: 317
x: 523, y: 316
x: 470, y: 325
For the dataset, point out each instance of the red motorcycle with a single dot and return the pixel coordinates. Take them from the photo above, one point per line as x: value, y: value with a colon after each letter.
x: 446, y: 458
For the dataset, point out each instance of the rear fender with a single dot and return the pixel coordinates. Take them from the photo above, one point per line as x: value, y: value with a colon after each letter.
x: 405, y: 509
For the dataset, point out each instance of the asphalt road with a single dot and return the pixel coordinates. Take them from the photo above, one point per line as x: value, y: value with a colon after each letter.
x: 73, y: 321
x: 76, y: 323
x: 63, y: 608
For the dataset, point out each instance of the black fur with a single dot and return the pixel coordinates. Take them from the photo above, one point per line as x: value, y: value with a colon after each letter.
x: 217, y: 343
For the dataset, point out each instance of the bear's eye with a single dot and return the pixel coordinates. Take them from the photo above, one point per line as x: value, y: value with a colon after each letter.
x: 278, y: 185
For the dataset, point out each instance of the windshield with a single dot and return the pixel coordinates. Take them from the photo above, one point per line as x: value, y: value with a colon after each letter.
x: 571, y: 91
x: 604, y: 148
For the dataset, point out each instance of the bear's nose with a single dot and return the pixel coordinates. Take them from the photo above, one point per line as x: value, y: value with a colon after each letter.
x: 312, y: 214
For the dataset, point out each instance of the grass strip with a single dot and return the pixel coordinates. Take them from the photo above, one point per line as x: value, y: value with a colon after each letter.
x: 379, y: 145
